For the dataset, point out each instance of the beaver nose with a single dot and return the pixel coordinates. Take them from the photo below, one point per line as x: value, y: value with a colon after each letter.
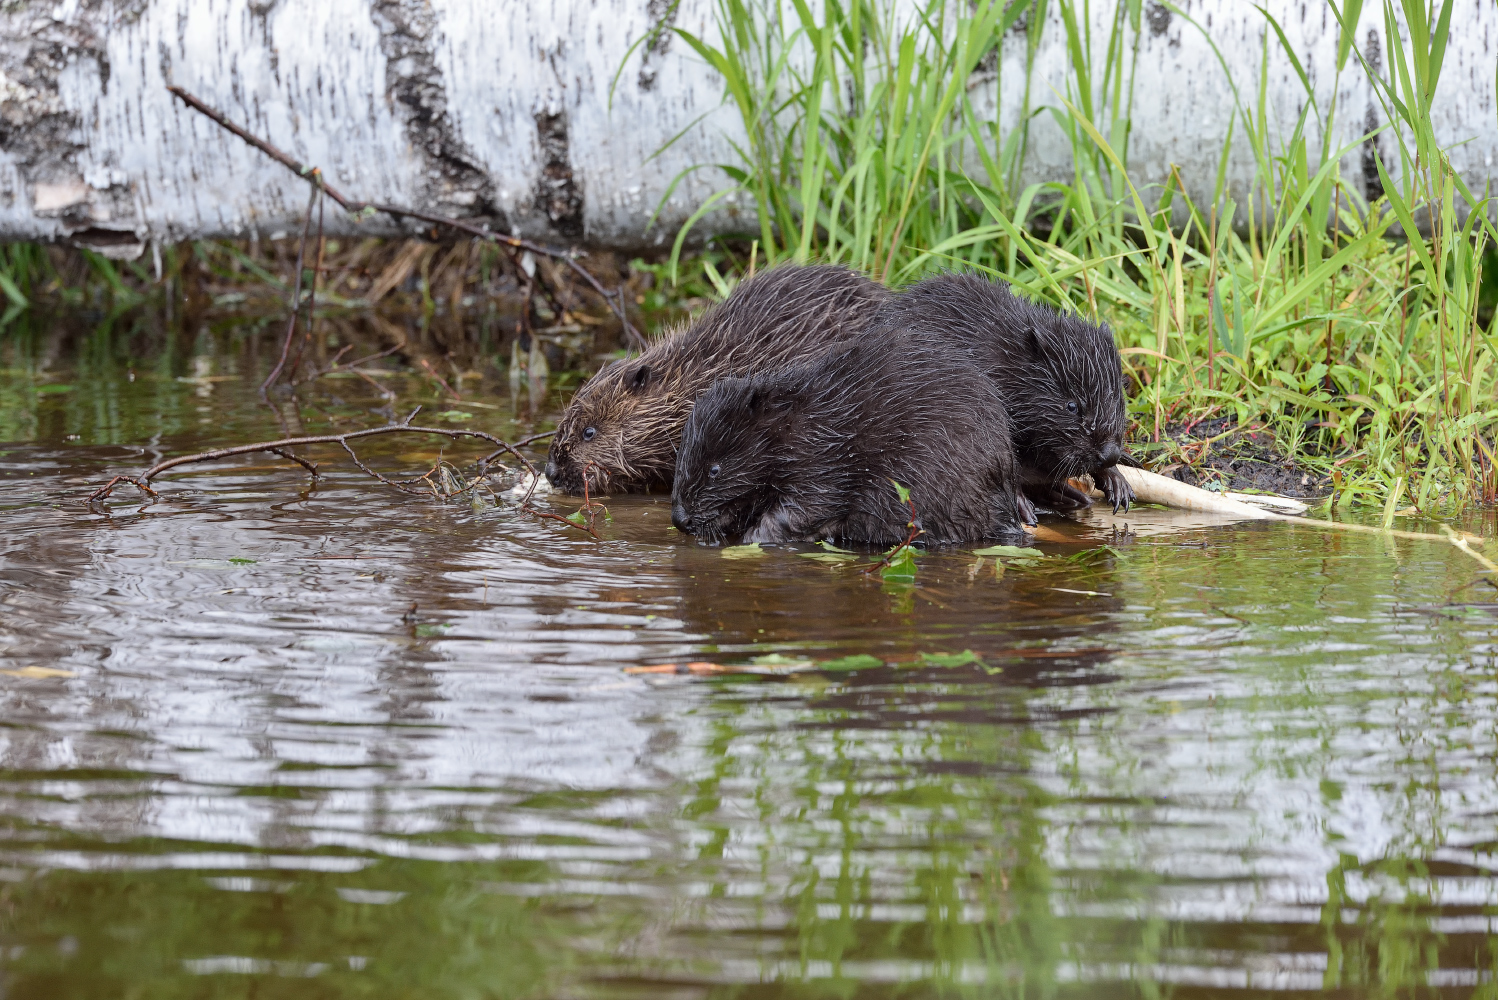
x: 679, y: 519
x: 1110, y: 454
x: 551, y: 472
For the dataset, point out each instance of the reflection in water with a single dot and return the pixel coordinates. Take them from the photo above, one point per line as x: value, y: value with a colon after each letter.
x: 1238, y: 758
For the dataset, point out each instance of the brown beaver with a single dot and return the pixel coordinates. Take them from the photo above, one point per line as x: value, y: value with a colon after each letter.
x: 622, y: 426
x: 813, y: 451
x: 1059, y: 376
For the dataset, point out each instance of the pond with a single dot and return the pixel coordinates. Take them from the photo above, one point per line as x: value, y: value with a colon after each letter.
x: 271, y: 737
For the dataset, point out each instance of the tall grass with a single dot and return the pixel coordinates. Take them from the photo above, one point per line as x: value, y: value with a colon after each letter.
x: 1361, y: 350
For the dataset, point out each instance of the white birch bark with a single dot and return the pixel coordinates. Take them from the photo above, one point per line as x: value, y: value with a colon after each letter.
x: 499, y: 109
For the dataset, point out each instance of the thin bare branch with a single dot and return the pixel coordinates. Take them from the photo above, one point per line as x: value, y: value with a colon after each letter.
x: 296, y: 291
x: 284, y: 446
x: 364, y: 208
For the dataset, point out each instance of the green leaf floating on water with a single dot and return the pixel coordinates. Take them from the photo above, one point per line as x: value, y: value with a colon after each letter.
x: 1010, y: 551
x: 241, y: 561
x: 831, y: 558
x: 453, y: 415
x: 829, y: 547
x: 961, y: 659
x: 862, y: 661
x: 901, y: 565
x: 780, y: 660
x: 749, y: 551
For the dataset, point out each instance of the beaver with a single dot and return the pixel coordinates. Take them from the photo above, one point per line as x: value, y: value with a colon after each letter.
x: 1059, y: 376
x: 813, y: 451
x: 621, y: 429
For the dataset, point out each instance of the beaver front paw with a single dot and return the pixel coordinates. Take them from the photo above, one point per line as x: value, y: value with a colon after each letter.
x: 1115, y: 487
x: 1059, y: 496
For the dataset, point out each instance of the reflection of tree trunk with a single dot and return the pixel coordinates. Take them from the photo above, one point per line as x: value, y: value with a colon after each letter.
x: 504, y: 114
x: 94, y: 733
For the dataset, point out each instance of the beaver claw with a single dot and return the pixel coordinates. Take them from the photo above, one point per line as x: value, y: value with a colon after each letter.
x: 1025, y: 508
x: 1115, y: 487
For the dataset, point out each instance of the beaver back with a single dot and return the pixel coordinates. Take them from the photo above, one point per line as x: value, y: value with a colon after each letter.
x: 813, y: 451
x: 1059, y: 375
x: 621, y: 428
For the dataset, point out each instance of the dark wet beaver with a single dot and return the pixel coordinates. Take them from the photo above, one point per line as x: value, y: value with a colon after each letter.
x: 812, y: 452
x: 622, y: 426
x: 1059, y: 376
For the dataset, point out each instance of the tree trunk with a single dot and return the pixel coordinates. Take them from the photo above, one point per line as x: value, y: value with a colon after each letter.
x: 499, y: 110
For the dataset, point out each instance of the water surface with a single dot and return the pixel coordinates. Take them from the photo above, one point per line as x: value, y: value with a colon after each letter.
x: 1169, y: 757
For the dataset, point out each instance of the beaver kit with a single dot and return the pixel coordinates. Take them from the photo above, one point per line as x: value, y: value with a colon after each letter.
x: 813, y: 452
x: 1059, y: 376
x: 620, y: 431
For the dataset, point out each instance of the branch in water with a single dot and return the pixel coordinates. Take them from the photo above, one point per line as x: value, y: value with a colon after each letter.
x: 283, y: 447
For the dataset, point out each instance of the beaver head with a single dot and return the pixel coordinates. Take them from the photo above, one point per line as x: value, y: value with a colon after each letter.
x: 1060, y: 375
x: 621, y: 428
x: 618, y: 433
x: 729, y: 467
x: 1064, y: 394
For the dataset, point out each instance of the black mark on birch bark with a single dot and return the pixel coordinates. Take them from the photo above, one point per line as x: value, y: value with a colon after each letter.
x: 1159, y: 18
x: 559, y: 196
x: 1373, y: 185
x: 40, y: 132
x: 455, y: 182
x: 660, y: 15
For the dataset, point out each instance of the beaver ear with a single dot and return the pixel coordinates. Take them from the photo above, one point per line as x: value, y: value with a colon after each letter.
x: 1035, y: 341
x: 638, y: 379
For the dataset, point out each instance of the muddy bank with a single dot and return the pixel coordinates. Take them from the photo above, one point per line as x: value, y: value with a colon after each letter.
x: 1219, y: 454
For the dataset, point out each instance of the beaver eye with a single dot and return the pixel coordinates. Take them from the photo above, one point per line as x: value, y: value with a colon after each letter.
x: 588, y: 432
x: 1071, y: 407
x: 713, y: 472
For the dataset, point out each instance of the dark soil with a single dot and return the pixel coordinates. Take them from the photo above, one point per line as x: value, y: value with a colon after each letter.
x: 1245, y: 461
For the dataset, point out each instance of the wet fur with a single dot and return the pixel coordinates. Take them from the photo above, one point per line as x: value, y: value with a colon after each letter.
x: 807, y: 453
x: 638, y: 406
x: 1040, y: 360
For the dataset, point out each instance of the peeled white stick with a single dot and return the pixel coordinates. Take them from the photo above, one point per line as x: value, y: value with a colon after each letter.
x: 1151, y: 487
x: 1278, y: 504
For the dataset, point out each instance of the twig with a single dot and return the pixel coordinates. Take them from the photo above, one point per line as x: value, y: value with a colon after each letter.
x: 440, y: 380
x: 521, y: 444
x: 534, y: 437
x: 384, y: 392
x: 557, y: 517
x: 310, y: 327
x: 296, y: 291
x: 364, y: 209
x: 1461, y: 543
x: 353, y: 366
x: 589, y: 506
x: 311, y: 467
x: 916, y: 531
x: 283, y: 448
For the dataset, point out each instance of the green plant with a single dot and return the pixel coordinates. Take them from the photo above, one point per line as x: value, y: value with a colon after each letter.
x: 1360, y: 344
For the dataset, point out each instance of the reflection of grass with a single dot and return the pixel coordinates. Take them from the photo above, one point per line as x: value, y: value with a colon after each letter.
x: 868, y: 142
x: 149, y: 932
